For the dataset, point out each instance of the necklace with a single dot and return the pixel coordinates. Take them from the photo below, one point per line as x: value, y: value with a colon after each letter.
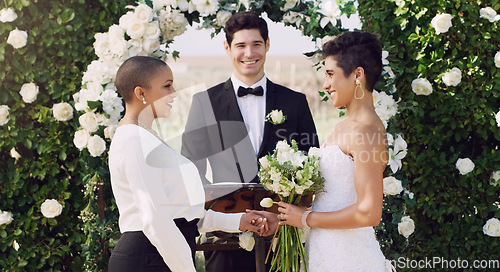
x: 135, y: 120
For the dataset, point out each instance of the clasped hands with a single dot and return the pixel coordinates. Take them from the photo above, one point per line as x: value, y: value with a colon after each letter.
x: 265, y: 223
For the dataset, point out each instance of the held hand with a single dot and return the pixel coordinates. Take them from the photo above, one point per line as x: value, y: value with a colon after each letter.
x: 255, y: 223
x: 290, y: 214
x: 271, y: 219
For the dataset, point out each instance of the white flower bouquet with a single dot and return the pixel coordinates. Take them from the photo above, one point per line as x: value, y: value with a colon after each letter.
x: 291, y: 174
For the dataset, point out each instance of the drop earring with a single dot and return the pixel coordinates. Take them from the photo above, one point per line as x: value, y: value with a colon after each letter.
x: 358, y: 85
x: 143, y: 100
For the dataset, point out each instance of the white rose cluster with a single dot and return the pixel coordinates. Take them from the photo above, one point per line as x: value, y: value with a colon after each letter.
x: 464, y: 166
x: 51, y: 208
x: 452, y: 77
x: 489, y: 14
x: 385, y: 106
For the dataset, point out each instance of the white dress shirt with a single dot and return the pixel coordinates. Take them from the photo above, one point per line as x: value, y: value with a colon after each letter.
x: 153, y: 185
x: 253, y: 110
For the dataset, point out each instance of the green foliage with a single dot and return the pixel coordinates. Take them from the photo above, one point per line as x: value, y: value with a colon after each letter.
x: 59, y: 46
x: 451, y: 123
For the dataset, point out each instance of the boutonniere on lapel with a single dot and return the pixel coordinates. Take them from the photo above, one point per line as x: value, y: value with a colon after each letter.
x: 275, y: 117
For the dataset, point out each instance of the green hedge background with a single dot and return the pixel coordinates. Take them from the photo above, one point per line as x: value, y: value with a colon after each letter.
x: 59, y: 48
x: 451, y: 123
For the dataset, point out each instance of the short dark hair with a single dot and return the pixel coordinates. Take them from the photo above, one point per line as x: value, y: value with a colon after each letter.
x: 136, y: 71
x: 357, y: 49
x: 245, y: 20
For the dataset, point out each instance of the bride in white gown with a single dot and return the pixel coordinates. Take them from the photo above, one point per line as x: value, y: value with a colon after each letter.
x: 352, y: 162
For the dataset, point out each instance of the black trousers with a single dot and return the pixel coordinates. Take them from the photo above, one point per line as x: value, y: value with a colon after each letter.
x: 135, y: 253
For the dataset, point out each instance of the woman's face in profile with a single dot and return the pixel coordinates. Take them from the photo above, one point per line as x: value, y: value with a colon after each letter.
x: 161, y: 92
x: 340, y: 87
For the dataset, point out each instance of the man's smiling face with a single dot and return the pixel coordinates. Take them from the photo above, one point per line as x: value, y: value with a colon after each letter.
x: 248, y: 55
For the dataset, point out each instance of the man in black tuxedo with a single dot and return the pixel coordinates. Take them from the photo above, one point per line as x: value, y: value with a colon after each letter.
x: 226, y: 124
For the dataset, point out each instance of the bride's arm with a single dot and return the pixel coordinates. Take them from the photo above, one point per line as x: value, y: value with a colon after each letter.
x: 369, y: 164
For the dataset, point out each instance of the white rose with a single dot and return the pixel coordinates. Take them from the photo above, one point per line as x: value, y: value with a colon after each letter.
x: 385, y: 54
x: 497, y: 117
x: 143, y: 13
x: 29, y: 92
x: 151, y: 45
x: 492, y: 227
x: 152, y: 31
x: 495, y: 178
x: 497, y: 59
x: 89, y: 121
x: 134, y: 47
x: 109, y: 131
x: 266, y: 202
x: 96, y: 146
x: 183, y: 5
x: 489, y: 13
x: 14, y: 154
x: 51, y: 208
x: 126, y: 19
x: 453, y: 77
x: 314, y: 152
x: 17, y: 38
x: 421, y: 86
x: 81, y: 139
x: 136, y: 29
x: 282, y: 146
x: 392, y: 186
x: 5, y: 218
x: 222, y: 17
x: 15, y: 245
x: 4, y: 114
x: 7, y: 15
x: 206, y: 7
x: 441, y: 23
x: 276, y: 117
x: 464, y: 166
x: 62, y: 111
x: 264, y: 162
x: 406, y: 227
x: 289, y: 5
x: 247, y: 241
x: 331, y: 11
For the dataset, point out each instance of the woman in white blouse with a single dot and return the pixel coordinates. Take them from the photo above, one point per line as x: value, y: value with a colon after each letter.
x: 158, y: 192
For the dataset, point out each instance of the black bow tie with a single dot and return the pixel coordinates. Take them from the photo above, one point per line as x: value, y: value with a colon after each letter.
x: 242, y: 91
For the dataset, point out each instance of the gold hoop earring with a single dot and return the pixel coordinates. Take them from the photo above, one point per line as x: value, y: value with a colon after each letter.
x: 358, y: 85
x: 143, y: 100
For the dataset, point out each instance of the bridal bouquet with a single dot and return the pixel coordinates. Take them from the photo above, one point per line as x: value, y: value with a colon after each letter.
x: 291, y: 174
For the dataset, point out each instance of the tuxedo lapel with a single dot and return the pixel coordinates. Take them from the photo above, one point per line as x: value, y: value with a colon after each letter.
x: 270, y: 104
x: 224, y: 103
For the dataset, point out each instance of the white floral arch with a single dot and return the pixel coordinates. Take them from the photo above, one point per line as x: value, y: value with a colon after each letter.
x: 151, y: 26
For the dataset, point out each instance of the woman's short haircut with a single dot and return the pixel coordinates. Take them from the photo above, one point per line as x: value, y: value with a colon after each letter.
x: 136, y: 71
x: 245, y: 20
x: 357, y: 49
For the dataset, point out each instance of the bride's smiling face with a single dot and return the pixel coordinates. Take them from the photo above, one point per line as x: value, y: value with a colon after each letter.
x: 340, y: 87
x: 161, y: 92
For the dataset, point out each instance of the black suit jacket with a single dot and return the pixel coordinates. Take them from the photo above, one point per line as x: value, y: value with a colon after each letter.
x: 216, y: 131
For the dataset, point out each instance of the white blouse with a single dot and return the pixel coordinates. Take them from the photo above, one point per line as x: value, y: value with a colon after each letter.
x: 152, y: 185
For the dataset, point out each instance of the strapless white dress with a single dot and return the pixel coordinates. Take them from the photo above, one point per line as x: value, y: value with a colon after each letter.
x: 346, y: 250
